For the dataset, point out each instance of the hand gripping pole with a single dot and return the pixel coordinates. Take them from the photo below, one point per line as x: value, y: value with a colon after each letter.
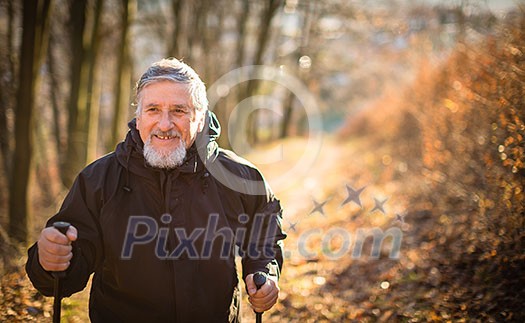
x: 259, y: 278
x: 57, y: 275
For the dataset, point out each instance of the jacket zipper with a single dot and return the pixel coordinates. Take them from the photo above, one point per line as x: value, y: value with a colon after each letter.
x: 166, y: 190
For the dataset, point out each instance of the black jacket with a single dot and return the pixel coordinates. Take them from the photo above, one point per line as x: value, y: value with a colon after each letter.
x: 161, y: 242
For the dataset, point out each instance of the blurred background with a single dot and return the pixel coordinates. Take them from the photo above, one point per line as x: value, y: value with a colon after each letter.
x: 421, y: 104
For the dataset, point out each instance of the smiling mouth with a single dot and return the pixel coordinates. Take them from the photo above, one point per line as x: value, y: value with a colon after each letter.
x: 165, y: 137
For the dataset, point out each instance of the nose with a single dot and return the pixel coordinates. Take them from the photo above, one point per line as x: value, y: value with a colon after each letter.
x: 165, y: 122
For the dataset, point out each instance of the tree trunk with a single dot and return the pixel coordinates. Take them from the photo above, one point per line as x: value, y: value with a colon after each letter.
x: 42, y: 162
x: 195, y: 49
x: 177, y: 43
x: 262, y: 40
x: 74, y: 154
x: 89, y: 99
x: 39, y: 152
x: 242, y: 31
x: 124, y: 76
x: 34, y: 33
x: 265, y: 25
x: 53, y: 94
x: 85, y: 42
x: 94, y: 116
x: 7, y: 92
x: 269, y: 11
x: 287, y: 117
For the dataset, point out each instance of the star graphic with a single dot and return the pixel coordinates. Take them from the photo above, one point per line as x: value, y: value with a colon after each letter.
x: 379, y: 205
x: 292, y: 226
x: 318, y: 207
x: 400, y: 218
x: 353, y: 196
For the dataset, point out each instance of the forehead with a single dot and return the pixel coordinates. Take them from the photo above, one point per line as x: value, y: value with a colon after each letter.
x: 165, y: 92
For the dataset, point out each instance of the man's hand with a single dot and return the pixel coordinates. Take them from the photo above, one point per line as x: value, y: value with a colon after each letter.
x: 264, y: 298
x: 54, y: 248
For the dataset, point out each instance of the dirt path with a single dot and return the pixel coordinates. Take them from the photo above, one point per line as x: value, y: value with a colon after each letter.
x: 323, y: 280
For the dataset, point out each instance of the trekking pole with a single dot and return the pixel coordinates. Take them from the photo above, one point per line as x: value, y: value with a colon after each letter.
x: 259, y: 278
x: 57, y: 275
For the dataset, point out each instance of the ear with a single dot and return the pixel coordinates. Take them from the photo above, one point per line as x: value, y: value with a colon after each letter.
x: 202, y: 122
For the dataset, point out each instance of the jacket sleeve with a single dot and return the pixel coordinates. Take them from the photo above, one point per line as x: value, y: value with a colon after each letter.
x: 262, y: 249
x: 80, y: 208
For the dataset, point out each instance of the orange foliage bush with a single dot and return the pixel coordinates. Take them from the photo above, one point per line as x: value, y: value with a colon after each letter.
x: 461, y: 128
x: 473, y: 129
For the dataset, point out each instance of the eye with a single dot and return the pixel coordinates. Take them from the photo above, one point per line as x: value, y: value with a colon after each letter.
x: 151, y: 109
x: 180, y: 110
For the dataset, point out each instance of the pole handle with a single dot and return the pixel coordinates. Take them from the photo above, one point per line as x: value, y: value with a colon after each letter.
x: 259, y: 279
x: 62, y: 227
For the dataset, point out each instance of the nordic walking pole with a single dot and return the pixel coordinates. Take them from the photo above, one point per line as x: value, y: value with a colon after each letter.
x: 259, y: 278
x: 57, y: 275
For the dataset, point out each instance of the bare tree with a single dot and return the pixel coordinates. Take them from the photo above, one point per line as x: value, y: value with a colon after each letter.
x: 89, y: 94
x: 269, y: 10
x: 84, y: 47
x: 34, y: 41
x: 243, y: 21
x: 310, y: 14
x: 73, y: 157
x: 7, y: 88
x: 7, y: 94
x: 54, y: 95
x: 124, y: 74
x: 177, y: 44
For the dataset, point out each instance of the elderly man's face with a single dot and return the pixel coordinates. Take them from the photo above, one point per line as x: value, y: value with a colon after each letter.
x: 167, y: 120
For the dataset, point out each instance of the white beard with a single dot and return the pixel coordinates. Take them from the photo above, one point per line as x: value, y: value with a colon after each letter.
x: 164, y: 159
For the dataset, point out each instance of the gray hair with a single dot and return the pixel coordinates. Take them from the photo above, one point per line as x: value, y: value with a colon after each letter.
x: 173, y: 70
